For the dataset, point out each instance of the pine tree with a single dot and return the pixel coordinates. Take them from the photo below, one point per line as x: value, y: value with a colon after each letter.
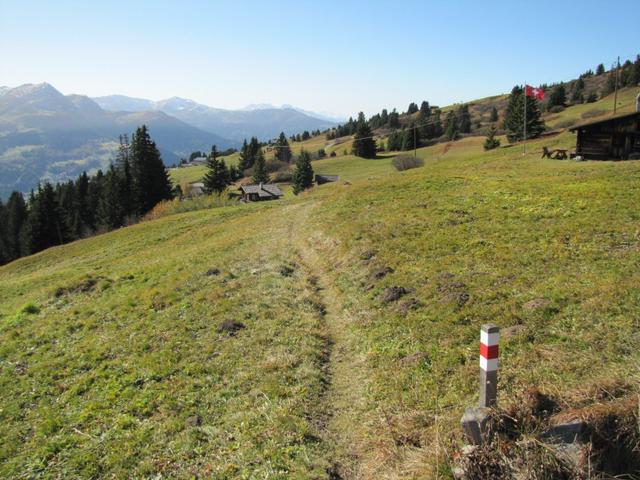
x: 363, y: 144
x: 149, y: 176
x: 394, y: 143
x: 217, y: 177
x: 243, y: 163
x: 451, y: 129
x: 424, y: 109
x: 394, y: 119
x: 123, y: 165
x: 111, y: 211
x: 303, y: 173
x: 491, y: 141
x: 16, y: 210
x: 494, y: 115
x: 81, y: 224
x: 410, y: 138
x: 384, y: 117
x: 259, y: 169
x: 283, y: 151
x: 4, y: 240
x: 600, y: 69
x: 413, y: 108
x: 558, y: 96
x: 44, y: 225
x: 514, y: 116
x: 464, y: 119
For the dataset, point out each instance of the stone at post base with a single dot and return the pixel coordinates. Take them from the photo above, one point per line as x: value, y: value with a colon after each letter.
x: 474, y: 424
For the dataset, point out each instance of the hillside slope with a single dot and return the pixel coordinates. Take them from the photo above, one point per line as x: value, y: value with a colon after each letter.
x: 121, y: 355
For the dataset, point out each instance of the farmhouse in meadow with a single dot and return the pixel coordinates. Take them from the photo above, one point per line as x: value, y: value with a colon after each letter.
x: 615, y: 137
x: 259, y: 192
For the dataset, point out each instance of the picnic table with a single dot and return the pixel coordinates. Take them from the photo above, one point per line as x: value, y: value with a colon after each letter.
x: 557, y: 153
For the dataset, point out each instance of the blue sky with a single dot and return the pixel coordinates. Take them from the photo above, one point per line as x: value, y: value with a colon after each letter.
x: 331, y: 56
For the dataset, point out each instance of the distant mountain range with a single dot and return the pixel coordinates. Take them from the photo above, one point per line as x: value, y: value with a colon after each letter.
x: 263, y: 121
x: 45, y: 134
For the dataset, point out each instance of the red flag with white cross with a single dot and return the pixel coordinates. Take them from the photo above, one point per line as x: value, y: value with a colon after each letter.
x: 530, y: 91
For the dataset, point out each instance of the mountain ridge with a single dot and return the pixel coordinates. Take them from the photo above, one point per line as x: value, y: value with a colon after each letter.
x: 265, y: 121
x: 45, y: 134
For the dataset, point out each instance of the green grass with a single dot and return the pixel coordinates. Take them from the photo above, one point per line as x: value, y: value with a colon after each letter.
x: 181, y: 176
x: 112, y: 363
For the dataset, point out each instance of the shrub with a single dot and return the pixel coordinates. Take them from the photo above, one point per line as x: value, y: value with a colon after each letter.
x: 406, y: 162
x: 592, y: 97
x: 30, y: 309
x: 556, y: 109
x: 272, y: 166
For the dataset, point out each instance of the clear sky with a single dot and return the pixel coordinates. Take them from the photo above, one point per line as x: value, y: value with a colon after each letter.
x: 331, y: 56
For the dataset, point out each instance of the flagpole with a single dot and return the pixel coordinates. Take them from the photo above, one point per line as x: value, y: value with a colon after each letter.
x: 524, y: 146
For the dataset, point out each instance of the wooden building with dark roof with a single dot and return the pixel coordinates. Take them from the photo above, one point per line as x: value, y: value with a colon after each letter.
x: 611, y: 138
x: 259, y: 192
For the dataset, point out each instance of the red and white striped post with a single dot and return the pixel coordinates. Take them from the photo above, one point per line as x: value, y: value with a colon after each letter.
x: 489, y: 338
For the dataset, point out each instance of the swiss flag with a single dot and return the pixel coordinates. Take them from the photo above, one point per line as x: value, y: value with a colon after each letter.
x: 530, y: 91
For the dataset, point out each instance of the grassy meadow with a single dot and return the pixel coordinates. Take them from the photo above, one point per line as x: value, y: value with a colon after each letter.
x: 329, y: 335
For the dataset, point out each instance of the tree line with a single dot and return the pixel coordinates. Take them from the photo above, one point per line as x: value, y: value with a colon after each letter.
x: 57, y: 214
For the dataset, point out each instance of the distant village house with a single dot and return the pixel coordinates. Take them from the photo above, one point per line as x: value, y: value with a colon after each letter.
x: 259, y: 192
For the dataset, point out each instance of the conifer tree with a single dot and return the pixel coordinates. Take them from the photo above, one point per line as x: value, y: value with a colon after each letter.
x: 16, y: 211
x: 283, y: 151
x: 363, y: 144
x: 110, y: 208
x: 394, y: 143
x: 217, y: 177
x: 451, y: 129
x: 600, y: 69
x: 514, y: 116
x: 493, y: 117
x: 464, y: 119
x: 394, y: 119
x: 303, y: 173
x: 413, y: 108
x: 150, y: 178
x: 80, y: 225
x: 44, y: 226
x: 411, y: 138
x: 491, y: 141
x: 558, y: 96
x: 259, y: 169
x: 424, y: 108
x: 384, y: 117
x: 4, y: 249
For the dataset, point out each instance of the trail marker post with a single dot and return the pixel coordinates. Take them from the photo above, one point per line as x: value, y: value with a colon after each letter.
x: 489, y: 338
x: 476, y: 419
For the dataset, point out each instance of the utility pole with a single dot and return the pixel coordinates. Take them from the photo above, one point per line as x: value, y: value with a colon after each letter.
x: 524, y: 144
x: 615, y: 95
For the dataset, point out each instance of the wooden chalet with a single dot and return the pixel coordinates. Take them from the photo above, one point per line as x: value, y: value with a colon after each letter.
x: 260, y: 192
x: 611, y: 138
